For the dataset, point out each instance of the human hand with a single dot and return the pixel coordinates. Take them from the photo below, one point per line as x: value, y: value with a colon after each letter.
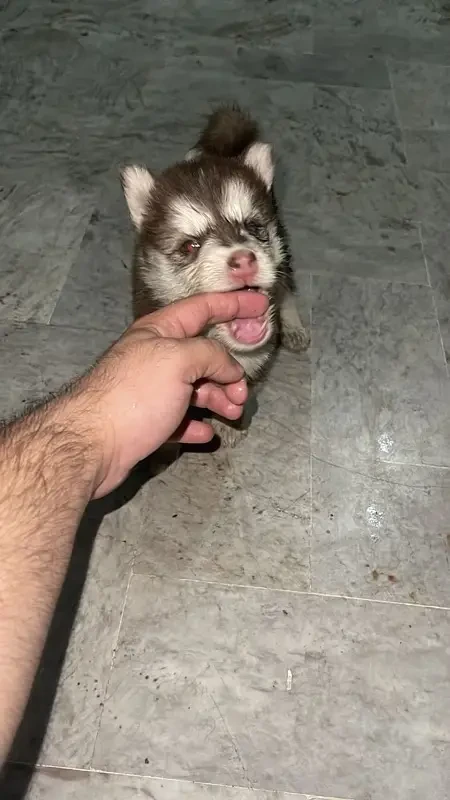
x: 137, y: 396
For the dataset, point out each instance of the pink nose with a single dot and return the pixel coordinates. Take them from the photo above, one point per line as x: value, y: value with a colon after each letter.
x: 243, y: 264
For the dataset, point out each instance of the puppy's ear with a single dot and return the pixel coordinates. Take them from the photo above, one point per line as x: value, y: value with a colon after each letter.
x: 137, y: 184
x: 193, y: 155
x: 259, y: 157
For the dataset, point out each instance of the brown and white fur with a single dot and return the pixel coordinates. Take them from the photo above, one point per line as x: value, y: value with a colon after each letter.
x: 209, y: 223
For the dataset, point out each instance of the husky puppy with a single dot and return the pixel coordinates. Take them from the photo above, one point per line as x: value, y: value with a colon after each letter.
x: 210, y: 224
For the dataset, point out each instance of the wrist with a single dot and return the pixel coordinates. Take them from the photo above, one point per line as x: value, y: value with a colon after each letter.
x: 54, y: 443
x: 73, y: 423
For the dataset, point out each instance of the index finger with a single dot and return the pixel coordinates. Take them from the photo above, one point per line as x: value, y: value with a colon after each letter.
x: 187, y: 318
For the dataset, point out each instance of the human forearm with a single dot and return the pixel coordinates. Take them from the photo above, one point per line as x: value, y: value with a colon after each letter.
x: 47, y: 476
x: 83, y: 445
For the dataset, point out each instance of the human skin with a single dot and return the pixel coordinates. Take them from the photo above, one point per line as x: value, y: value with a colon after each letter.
x: 82, y: 444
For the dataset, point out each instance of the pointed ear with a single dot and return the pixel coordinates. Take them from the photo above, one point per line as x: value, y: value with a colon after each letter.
x: 192, y: 155
x: 137, y: 184
x: 259, y: 157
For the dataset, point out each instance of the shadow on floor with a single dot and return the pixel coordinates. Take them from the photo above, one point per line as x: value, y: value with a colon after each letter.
x: 15, y: 778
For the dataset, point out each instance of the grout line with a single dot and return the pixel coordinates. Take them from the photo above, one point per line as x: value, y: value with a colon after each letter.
x: 31, y: 323
x: 425, y: 260
x: 378, y: 478
x: 310, y: 431
x: 422, y: 244
x: 113, y: 657
x: 362, y: 278
x: 406, y: 464
x: 396, y: 108
x: 296, y: 592
x: 269, y: 792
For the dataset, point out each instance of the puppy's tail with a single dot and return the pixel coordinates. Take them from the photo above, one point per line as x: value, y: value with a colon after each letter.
x: 229, y: 132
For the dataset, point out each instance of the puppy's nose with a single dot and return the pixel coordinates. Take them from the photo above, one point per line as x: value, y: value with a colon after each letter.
x: 243, y: 264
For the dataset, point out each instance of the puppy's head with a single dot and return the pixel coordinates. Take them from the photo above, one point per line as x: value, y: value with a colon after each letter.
x: 209, y: 225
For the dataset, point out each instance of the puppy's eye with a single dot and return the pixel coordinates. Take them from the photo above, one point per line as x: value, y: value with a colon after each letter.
x: 190, y: 247
x: 257, y: 230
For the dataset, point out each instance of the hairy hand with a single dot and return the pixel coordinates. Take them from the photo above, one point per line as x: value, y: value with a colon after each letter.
x: 138, y: 395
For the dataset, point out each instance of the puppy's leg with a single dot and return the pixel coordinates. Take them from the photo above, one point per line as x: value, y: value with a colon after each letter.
x: 294, y: 335
x: 231, y: 433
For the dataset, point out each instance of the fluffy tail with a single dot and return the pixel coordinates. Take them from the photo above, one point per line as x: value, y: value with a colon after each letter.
x: 228, y: 133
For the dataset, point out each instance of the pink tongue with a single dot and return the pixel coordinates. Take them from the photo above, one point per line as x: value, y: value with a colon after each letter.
x: 248, y: 331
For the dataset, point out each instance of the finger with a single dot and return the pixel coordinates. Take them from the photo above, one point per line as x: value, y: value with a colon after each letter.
x: 205, y: 358
x: 189, y: 317
x: 215, y: 398
x: 193, y: 431
x: 235, y: 393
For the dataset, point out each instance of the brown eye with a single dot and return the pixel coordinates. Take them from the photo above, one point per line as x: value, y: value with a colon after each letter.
x: 257, y: 230
x: 190, y: 246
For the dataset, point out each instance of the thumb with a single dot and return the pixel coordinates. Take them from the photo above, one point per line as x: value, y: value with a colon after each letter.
x: 191, y: 316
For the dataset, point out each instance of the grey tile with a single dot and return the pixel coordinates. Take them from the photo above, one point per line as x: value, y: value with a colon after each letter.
x: 331, y: 40
x: 287, y: 25
x: 380, y: 198
x: 353, y: 219
x: 46, y: 213
x: 392, y: 42
x: 97, y: 292
x: 42, y: 222
x: 368, y: 697
x: 422, y: 92
x: 383, y: 536
x: 30, y: 283
x: 98, y: 26
x: 324, y: 244
x: 379, y: 384
x: 125, y: 98
x: 348, y: 69
x: 96, y: 95
x: 86, y: 160
x: 76, y: 712
x: 244, y: 59
x: 349, y: 15
x: 113, y: 89
x: 38, y: 359
x: 197, y: 523
x: 437, y: 252
x: 56, y: 784
x: 29, y: 63
x: 258, y: 464
x: 355, y: 125
x: 415, y: 18
x: 429, y: 150
x: 434, y: 199
x: 23, y: 17
x: 281, y: 107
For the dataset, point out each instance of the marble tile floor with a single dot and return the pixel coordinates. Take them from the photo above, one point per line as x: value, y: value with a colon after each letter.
x: 272, y: 622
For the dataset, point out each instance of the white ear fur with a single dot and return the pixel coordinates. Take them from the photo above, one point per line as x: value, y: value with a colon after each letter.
x: 259, y: 157
x: 137, y: 185
x: 192, y: 155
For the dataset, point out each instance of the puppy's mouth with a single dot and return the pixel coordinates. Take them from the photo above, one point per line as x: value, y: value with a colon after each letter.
x: 251, y: 331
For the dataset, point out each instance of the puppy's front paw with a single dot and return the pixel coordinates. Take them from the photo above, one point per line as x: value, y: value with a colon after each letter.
x: 295, y: 339
x: 230, y: 435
